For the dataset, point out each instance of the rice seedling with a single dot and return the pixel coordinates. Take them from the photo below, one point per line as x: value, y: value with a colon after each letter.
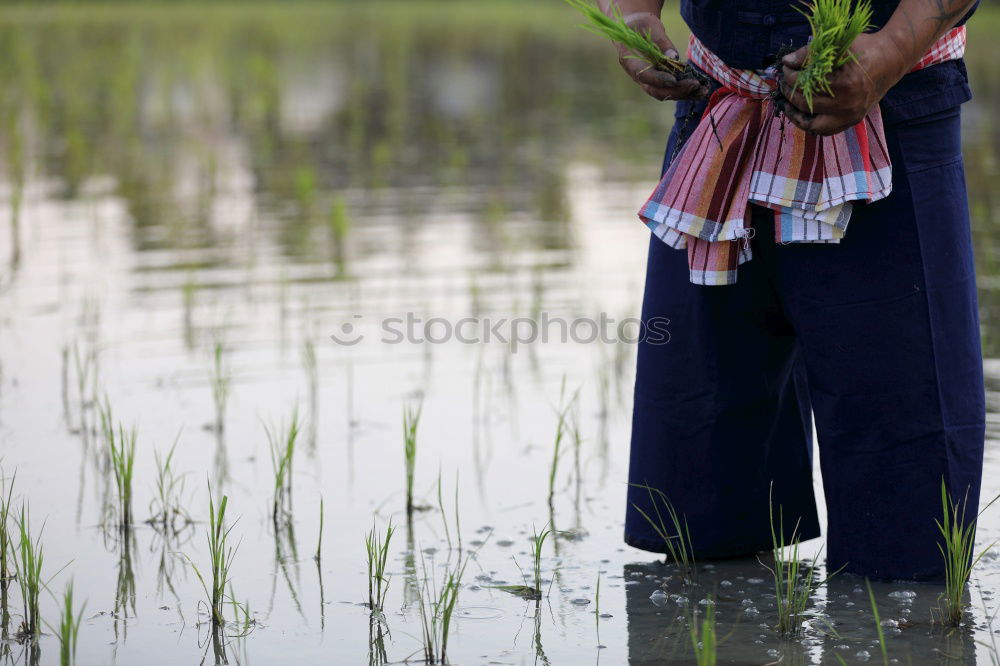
x: 121, y: 453
x: 597, y: 597
x: 532, y: 588
x: 537, y: 542
x: 878, y: 624
x: 166, y: 510
x: 562, y: 428
x: 221, y: 555
x: 221, y: 380
x: 282, y: 448
x: 6, y: 544
x: 676, y: 535
x: 68, y: 630
x: 305, y: 189
x: 835, y: 25
x: 309, y: 364
x: 339, y: 223
x: 957, y: 550
x: 411, y: 421
x: 28, y: 560
x: 704, y: 641
x: 319, y: 540
x: 377, y: 549
x: 614, y: 28
x: 444, y: 515
x: 793, y: 586
x: 85, y: 367
x: 437, y: 609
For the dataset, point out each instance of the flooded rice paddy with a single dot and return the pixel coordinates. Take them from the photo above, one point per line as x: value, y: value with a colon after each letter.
x: 193, y: 201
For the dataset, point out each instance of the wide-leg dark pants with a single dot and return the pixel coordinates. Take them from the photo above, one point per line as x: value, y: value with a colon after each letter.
x: 877, y: 338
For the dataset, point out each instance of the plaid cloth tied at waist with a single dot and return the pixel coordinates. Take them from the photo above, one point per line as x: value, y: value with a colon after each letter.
x: 743, y: 153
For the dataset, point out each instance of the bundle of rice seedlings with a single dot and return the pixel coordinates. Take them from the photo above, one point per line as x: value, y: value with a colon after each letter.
x: 835, y: 25
x: 641, y: 45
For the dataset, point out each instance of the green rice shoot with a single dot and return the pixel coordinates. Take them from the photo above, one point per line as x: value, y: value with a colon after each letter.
x: 957, y: 550
x: 121, y: 453
x: 319, y: 540
x: 68, y: 630
x: 878, y: 624
x: 537, y: 542
x: 221, y: 555
x: 704, y: 641
x: 794, y: 584
x: 411, y: 421
x: 221, y: 380
x: 6, y: 543
x: 377, y: 549
x: 437, y: 608
x: 614, y: 28
x: 166, y: 510
x: 835, y: 25
x: 282, y: 447
x: 28, y: 559
x: 675, y: 534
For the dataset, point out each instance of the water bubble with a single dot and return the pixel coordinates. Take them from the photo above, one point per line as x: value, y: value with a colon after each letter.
x: 726, y: 583
x: 903, y: 595
x: 755, y: 581
x: 863, y: 655
x: 706, y: 602
x: 580, y: 602
x: 658, y: 597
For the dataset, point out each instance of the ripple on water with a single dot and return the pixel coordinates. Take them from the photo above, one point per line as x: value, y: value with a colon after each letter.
x: 480, y: 613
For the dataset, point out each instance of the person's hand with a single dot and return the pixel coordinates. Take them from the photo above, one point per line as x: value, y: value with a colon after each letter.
x: 657, y: 84
x: 857, y: 86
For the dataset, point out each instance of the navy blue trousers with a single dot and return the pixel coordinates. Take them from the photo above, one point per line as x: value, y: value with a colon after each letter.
x: 876, y: 338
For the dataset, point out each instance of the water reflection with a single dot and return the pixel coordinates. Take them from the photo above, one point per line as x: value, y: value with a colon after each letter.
x: 839, y: 622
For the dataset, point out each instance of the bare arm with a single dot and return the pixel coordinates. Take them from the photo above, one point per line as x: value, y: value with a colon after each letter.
x: 644, y: 16
x: 883, y: 58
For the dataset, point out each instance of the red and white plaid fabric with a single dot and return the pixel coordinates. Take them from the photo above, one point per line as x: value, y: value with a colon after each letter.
x: 742, y: 153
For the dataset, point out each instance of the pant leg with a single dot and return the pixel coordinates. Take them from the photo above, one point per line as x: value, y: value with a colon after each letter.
x: 888, y: 324
x: 717, y: 417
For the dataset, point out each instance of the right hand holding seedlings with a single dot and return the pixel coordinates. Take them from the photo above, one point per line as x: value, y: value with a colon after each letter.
x: 657, y: 84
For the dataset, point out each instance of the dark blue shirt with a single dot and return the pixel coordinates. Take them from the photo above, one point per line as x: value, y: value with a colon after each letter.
x: 750, y: 34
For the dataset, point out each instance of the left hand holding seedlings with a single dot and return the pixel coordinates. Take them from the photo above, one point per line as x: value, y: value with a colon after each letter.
x: 857, y: 86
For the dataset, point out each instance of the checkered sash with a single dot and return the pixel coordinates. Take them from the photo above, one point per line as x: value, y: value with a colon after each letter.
x: 742, y: 153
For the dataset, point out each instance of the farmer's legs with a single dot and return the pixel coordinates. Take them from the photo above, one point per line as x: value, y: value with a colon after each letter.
x: 888, y: 326
x: 717, y: 418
